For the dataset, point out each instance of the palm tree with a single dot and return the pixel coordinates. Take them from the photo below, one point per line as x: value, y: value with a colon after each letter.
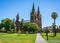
x: 54, y: 16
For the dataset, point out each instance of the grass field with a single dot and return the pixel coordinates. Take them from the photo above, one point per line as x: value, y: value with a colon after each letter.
x: 17, y: 38
x: 51, y: 39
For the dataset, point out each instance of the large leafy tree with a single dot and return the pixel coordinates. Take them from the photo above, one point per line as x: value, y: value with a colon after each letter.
x: 26, y: 27
x: 6, y: 23
x: 54, y: 16
x: 1, y: 26
x: 30, y: 27
x: 34, y: 27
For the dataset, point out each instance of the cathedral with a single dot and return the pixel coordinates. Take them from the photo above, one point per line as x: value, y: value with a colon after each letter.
x: 35, y: 17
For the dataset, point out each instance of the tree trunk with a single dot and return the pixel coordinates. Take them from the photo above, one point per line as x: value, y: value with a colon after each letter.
x: 54, y: 21
x: 55, y: 31
x: 54, y: 28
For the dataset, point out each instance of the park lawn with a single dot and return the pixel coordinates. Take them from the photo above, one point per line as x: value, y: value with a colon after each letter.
x: 17, y: 38
x: 51, y: 39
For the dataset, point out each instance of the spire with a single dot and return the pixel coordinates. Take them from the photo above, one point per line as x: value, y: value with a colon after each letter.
x: 38, y: 9
x: 17, y: 17
x: 38, y: 12
x: 33, y: 9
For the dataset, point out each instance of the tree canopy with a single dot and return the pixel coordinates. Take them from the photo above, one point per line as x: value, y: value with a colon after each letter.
x: 6, y: 23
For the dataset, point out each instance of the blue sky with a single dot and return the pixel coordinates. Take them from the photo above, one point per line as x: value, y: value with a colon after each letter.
x: 10, y: 8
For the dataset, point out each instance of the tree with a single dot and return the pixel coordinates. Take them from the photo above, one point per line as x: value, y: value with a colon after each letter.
x: 6, y: 23
x: 13, y: 26
x: 21, y: 25
x: 17, y: 22
x: 34, y: 27
x: 47, y: 32
x: 1, y: 26
x: 54, y: 28
x: 54, y: 16
x: 30, y: 27
x: 25, y: 27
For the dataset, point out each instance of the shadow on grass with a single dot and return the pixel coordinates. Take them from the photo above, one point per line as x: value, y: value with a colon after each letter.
x: 52, y: 36
x: 48, y: 35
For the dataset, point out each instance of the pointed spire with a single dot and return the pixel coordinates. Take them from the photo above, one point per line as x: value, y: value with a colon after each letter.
x: 17, y: 17
x: 38, y: 12
x: 33, y: 9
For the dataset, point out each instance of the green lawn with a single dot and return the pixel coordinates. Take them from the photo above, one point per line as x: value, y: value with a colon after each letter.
x: 51, y: 39
x: 17, y: 38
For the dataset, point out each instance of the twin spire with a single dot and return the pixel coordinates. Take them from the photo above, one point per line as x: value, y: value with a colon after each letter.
x: 36, y: 18
x: 33, y: 9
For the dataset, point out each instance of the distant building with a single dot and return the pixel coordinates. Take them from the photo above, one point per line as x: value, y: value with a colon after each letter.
x: 36, y: 17
x: 49, y: 27
x: 59, y: 27
x: 26, y: 21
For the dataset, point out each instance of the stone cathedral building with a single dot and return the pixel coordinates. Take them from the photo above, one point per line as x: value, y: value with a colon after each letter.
x: 36, y: 17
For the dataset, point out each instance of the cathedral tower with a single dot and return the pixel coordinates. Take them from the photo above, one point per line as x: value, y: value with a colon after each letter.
x: 33, y: 15
x: 36, y: 17
x: 39, y: 22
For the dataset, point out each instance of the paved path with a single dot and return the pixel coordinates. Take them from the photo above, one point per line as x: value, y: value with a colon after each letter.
x: 39, y: 39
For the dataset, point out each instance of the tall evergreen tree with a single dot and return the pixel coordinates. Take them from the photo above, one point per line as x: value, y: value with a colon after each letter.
x: 17, y: 23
